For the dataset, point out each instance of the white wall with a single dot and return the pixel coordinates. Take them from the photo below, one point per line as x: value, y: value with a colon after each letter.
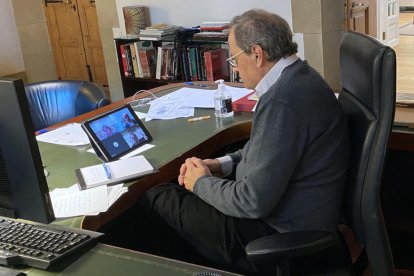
x: 405, y: 3
x: 11, y: 60
x: 189, y: 13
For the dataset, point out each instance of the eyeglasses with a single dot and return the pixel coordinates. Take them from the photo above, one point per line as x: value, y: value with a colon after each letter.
x: 232, y: 60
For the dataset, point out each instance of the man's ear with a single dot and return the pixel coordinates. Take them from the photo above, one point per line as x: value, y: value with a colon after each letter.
x: 259, y: 55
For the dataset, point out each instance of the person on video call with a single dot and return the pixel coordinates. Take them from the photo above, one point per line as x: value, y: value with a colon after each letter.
x: 289, y: 176
x: 135, y: 140
x: 106, y: 132
x: 127, y: 121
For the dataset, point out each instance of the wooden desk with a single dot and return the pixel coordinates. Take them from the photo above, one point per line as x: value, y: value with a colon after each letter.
x: 174, y: 140
x: 397, y: 191
x: 402, y: 137
x: 105, y: 260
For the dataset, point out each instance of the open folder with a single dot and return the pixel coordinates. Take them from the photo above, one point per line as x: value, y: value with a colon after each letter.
x: 113, y: 172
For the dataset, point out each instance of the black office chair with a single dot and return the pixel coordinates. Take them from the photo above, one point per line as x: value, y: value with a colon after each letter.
x: 52, y: 102
x: 368, y: 74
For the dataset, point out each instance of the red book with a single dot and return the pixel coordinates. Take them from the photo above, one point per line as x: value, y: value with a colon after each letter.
x: 124, y: 61
x: 148, y: 62
x: 214, y: 28
x: 244, y: 104
x: 216, y: 64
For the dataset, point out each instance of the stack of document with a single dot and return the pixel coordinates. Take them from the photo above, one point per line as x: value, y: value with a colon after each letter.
x: 72, y: 202
x: 181, y: 103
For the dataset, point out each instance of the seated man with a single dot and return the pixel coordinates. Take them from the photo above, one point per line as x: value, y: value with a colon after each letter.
x: 291, y: 173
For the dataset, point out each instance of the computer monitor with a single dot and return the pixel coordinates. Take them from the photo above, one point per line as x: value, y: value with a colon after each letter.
x: 23, y: 188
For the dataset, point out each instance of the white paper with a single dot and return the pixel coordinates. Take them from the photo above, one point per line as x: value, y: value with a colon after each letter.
x: 141, y: 115
x: 173, y: 104
x: 164, y: 109
x: 70, y: 134
x: 132, y: 153
x: 81, y: 202
x: 201, y: 98
x: 94, y: 174
x: 131, y: 166
x: 114, y: 192
x: 138, y: 150
x: 204, y: 98
x: 120, y: 170
x: 59, y: 192
x: 238, y: 92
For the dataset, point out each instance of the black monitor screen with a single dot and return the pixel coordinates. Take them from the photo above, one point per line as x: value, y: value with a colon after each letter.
x: 23, y: 188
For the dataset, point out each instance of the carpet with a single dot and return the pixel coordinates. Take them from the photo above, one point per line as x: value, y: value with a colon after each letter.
x: 407, y: 29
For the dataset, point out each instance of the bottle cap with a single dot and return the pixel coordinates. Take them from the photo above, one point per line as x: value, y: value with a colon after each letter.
x: 221, y: 85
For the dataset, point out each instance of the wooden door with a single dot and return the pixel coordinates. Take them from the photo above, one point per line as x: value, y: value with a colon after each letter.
x: 76, y: 42
x: 361, y: 16
x: 66, y: 39
x: 357, y: 16
x: 92, y: 41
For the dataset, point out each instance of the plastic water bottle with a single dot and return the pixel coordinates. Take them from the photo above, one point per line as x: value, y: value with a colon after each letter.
x: 222, y: 101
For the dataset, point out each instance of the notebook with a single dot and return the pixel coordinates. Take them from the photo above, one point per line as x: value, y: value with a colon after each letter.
x: 113, y: 172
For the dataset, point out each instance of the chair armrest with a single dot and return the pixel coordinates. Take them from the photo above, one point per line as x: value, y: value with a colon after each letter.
x: 288, y: 245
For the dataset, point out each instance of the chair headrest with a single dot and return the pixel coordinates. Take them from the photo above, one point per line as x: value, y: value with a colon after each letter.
x: 364, y: 64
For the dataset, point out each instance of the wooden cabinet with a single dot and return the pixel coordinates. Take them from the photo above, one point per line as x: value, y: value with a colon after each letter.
x: 76, y: 42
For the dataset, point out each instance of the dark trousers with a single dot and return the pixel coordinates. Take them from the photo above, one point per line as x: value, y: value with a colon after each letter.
x: 173, y: 222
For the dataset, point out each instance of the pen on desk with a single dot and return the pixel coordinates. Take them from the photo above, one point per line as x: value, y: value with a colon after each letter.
x: 198, y: 118
x: 41, y: 131
x: 107, y: 171
x: 196, y: 84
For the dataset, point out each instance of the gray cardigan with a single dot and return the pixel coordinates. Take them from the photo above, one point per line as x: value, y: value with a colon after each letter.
x: 292, y: 171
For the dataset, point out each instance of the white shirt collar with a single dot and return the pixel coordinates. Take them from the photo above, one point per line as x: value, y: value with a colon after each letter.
x: 273, y: 75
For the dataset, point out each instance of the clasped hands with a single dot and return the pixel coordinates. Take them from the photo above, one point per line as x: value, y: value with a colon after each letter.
x: 193, y: 168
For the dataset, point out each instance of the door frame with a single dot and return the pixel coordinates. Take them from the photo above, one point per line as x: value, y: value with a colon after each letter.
x: 383, y: 23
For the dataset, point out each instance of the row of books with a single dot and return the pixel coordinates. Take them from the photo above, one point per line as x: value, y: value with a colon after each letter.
x: 157, y: 32
x: 213, y: 30
x: 205, y: 62
x: 168, y: 62
x: 138, y: 59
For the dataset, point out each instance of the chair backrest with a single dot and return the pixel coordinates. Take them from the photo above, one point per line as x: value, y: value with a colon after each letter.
x: 368, y: 75
x: 55, y: 101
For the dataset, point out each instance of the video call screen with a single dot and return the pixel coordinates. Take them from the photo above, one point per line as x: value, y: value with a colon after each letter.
x: 119, y: 132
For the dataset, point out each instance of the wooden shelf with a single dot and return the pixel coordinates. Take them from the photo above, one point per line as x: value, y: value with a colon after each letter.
x: 131, y: 85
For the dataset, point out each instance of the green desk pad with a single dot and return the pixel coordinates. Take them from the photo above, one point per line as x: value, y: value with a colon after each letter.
x: 171, y: 138
x: 114, y: 261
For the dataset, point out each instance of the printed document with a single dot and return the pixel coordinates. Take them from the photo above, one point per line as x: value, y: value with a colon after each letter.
x: 70, y: 202
x: 70, y: 135
x: 181, y: 103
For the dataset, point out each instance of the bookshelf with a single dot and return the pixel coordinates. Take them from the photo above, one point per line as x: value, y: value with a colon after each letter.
x: 133, y: 83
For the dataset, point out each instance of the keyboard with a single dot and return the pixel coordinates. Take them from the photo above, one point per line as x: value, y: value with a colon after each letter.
x: 40, y: 245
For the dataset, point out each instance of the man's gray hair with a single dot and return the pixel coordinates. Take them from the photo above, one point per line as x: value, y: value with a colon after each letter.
x: 270, y: 31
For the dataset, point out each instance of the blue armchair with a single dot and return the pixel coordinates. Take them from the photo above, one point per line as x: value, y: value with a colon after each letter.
x: 55, y: 101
